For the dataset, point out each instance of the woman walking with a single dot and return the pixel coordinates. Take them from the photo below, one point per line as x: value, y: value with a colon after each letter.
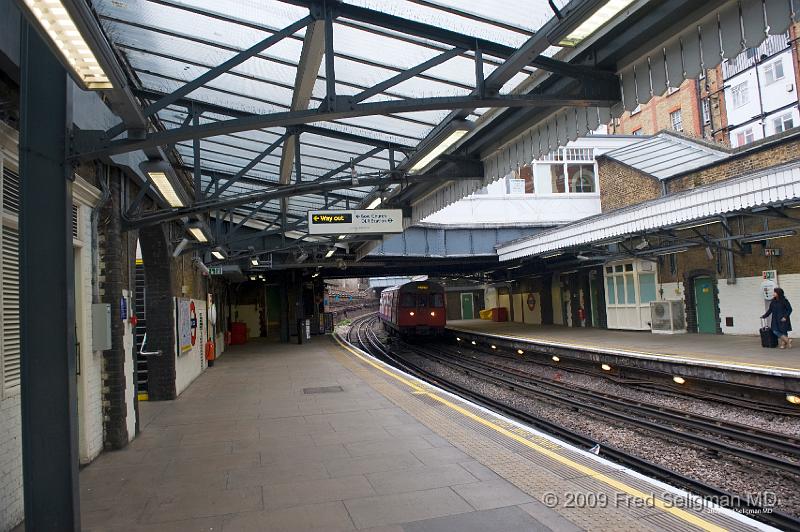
x: 780, y: 309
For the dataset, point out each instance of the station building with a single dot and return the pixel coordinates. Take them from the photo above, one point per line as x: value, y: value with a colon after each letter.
x: 682, y: 220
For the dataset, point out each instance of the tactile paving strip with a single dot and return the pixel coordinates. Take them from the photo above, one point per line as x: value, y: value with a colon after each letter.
x: 537, y: 465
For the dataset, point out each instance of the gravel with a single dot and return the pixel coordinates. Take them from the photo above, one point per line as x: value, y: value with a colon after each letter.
x: 727, y: 473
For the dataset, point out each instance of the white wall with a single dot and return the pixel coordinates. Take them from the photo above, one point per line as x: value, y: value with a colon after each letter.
x: 532, y: 316
x: 743, y: 301
x: 189, y: 365
x: 11, y: 503
x: 129, y: 345
x: 249, y: 315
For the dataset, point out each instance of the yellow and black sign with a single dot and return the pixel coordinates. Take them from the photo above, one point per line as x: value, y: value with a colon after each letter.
x: 344, y: 218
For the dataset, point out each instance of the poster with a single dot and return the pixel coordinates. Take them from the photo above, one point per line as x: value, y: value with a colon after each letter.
x: 184, y: 325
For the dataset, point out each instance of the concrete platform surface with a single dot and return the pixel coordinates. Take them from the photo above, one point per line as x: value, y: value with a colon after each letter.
x: 720, y: 349
x: 313, y: 437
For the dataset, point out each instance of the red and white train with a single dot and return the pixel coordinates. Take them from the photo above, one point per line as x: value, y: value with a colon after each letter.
x: 413, y: 309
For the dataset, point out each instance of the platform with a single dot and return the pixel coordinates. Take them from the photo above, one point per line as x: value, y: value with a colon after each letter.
x: 316, y: 437
x: 712, y: 350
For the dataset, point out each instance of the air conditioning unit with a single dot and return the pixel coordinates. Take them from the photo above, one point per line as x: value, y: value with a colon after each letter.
x: 667, y: 317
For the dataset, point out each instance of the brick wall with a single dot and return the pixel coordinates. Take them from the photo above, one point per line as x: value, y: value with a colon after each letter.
x: 621, y: 185
x: 11, y: 498
x: 115, y: 276
x: 160, y: 309
x: 655, y: 115
x: 754, y: 157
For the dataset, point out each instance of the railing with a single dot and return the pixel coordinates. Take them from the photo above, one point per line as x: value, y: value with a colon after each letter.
x: 751, y: 56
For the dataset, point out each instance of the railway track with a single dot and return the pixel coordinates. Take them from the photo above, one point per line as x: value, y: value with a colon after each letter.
x: 363, y: 335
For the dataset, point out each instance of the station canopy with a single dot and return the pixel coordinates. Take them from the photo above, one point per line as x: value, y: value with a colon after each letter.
x: 273, y: 108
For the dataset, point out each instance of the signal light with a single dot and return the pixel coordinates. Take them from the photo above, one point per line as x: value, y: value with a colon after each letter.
x: 433, y: 314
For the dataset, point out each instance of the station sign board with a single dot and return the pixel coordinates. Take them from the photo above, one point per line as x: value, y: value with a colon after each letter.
x: 355, y: 222
x: 215, y: 270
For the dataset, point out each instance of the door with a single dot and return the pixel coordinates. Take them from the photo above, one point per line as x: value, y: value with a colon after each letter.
x: 466, y: 307
x: 704, y: 305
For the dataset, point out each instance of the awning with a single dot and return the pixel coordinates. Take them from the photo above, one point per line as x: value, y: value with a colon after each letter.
x: 774, y: 186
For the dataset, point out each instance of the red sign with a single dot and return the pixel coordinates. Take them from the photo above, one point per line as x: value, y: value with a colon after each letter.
x: 193, y: 319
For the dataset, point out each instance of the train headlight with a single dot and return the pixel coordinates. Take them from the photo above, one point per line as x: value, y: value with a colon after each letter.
x: 795, y: 400
x: 473, y: 342
x: 411, y: 313
x: 556, y: 359
x: 678, y: 380
x: 520, y: 352
x: 605, y: 367
x: 433, y: 314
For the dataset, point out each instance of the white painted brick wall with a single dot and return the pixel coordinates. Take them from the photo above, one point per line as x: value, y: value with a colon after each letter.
x: 743, y: 302
x: 189, y: 365
x: 130, y: 365
x: 11, y: 502
x: 90, y: 408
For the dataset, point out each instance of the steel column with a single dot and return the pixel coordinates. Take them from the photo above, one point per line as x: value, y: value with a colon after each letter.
x: 47, y: 289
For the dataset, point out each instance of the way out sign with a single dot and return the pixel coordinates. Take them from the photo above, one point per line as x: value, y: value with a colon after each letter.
x: 349, y: 222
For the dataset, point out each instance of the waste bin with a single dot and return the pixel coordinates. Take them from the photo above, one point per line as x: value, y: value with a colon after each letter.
x: 500, y: 314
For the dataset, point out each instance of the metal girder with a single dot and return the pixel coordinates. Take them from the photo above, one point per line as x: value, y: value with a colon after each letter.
x: 438, y: 34
x: 314, y: 130
x: 306, y: 76
x: 595, y: 95
x: 252, y: 164
x: 471, y: 170
x: 227, y: 65
x: 407, y: 74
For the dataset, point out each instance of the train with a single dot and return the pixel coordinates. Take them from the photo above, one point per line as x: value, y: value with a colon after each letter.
x: 413, y: 309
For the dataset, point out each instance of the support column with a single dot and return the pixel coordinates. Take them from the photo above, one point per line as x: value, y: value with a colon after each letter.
x: 47, y: 286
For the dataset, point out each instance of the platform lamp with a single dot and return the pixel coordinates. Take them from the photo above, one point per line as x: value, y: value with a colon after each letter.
x: 164, y: 179
x: 430, y: 149
x: 71, y: 31
x: 219, y: 253
x: 199, y: 231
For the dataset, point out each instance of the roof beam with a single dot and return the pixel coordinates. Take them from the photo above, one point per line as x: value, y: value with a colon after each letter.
x: 234, y: 61
x: 435, y: 33
x: 252, y: 164
x: 592, y: 95
x: 307, y: 71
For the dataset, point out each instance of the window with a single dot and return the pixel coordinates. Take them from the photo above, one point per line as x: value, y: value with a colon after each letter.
x: 647, y: 287
x: 744, y: 137
x: 773, y: 72
x: 750, y: 53
x: 740, y: 94
x: 407, y: 300
x: 557, y: 178
x: 783, y: 122
x: 676, y: 121
x: 706, y: 106
x: 437, y: 300
x: 630, y: 289
x: 422, y: 301
x: 9, y: 281
x: 610, y: 292
x: 637, y: 131
x: 581, y: 177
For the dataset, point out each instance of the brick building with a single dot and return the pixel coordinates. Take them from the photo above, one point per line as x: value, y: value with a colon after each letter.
x: 682, y: 220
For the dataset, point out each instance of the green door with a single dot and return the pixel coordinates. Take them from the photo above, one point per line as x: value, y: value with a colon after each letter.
x: 466, y: 307
x: 704, y: 304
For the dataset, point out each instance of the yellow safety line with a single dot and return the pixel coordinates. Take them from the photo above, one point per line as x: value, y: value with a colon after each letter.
x: 621, y: 486
x: 623, y: 352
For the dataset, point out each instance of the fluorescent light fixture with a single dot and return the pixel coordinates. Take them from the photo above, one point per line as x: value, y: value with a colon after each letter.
x: 59, y: 25
x: 449, y: 136
x: 374, y: 203
x: 595, y: 21
x: 315, y: 274
x: 551, y: 255
x: 198, y: 234
x: 669, y: 251
x: 330, y: 253
x: 696, y: 225
x: 341, y: 237
x: 254, y: 261
x: 767, y: 236
x: 166, y: 189
x: 458, y: 339
x: 473, y: 342
x: 218, y: 255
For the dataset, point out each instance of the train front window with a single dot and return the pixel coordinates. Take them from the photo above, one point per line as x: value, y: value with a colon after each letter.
x: 407, y: 300
x: 422, y: 301
x: 437, y: 300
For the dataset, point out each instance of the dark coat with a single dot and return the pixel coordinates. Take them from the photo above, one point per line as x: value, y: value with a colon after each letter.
x: 780, y: 309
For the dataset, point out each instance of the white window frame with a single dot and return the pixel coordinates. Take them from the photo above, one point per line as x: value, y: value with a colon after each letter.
x: 770, y: 70
x: 740, y: 94
x: 676, y: 125
x: 705, y: 105
x: 747, y: 135
x: 781, y: 121
x: 565, y: 157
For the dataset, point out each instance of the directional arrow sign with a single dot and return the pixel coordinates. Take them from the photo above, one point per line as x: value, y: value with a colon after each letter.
x: 379, y: 221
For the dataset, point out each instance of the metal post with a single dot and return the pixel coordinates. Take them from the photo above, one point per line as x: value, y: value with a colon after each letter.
x: 47, y: 303
x: 198, y: 186
x: 330, y: 74
x: 298, y: 167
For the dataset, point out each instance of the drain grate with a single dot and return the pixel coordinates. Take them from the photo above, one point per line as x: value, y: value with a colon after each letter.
x: 323, y: 389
